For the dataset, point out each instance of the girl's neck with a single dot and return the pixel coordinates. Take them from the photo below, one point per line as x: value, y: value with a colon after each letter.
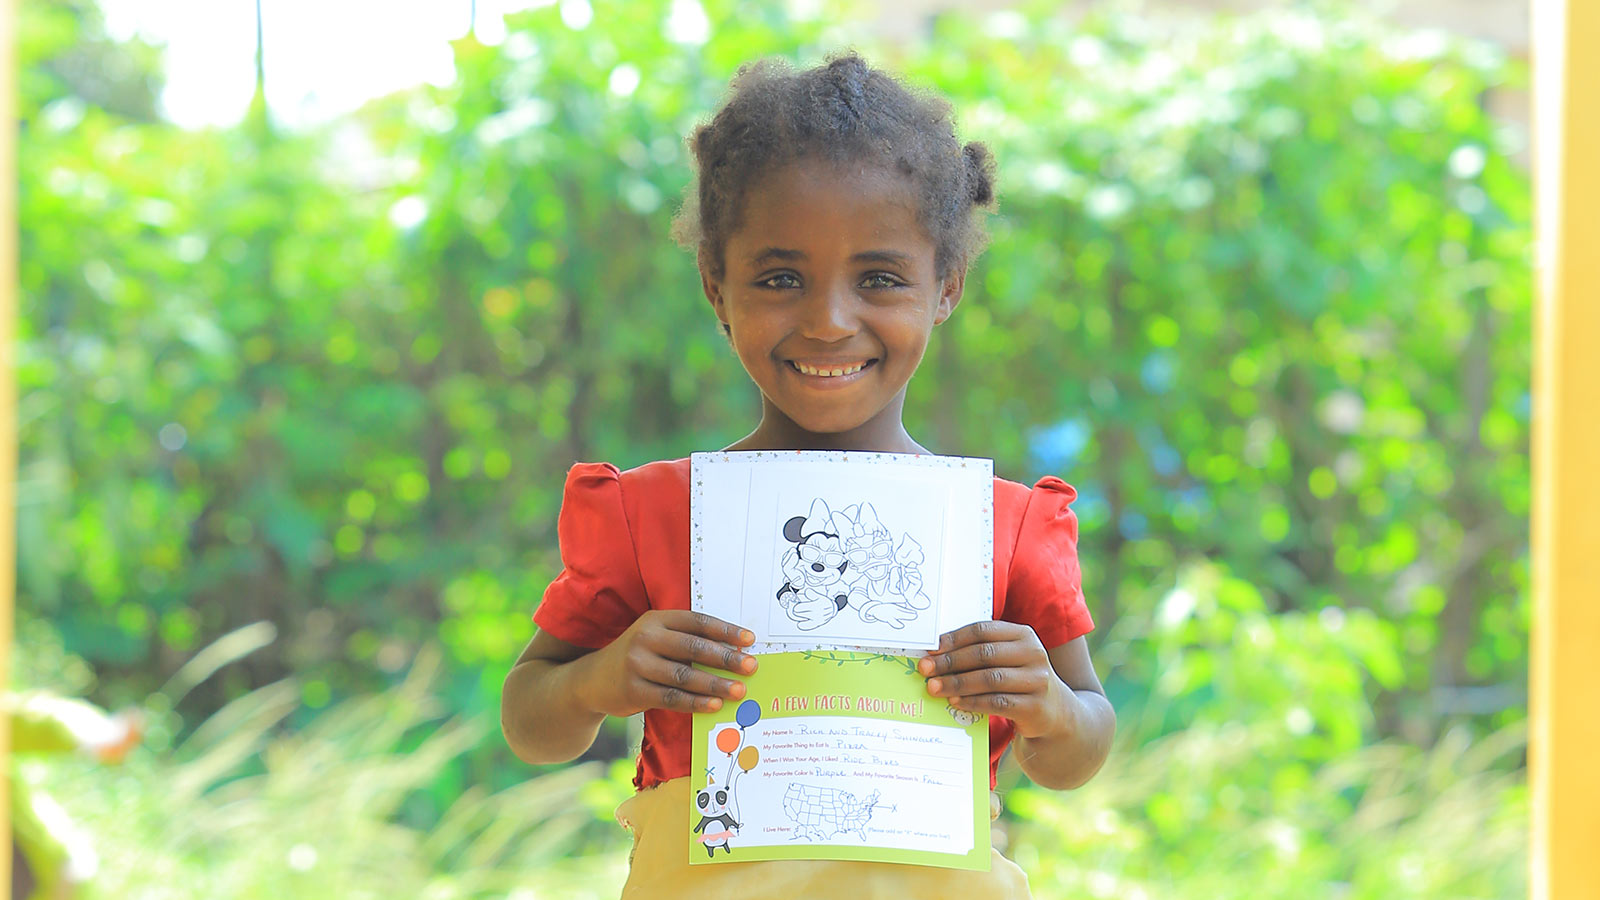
x: 883, y: 433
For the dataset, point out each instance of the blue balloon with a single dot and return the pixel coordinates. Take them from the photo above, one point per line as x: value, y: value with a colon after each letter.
x: 748, y: 714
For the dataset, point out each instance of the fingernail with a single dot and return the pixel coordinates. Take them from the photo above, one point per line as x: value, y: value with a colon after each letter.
x: 747, y: 636
x: 926, y: 666
x: 715, y: 704
x: 736, y: 689
x: 933, y: 685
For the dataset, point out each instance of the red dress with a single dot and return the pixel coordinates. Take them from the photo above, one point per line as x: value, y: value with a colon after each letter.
x: 625, y: 549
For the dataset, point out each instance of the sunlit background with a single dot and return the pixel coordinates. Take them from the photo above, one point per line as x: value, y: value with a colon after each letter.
x: 317, y: 307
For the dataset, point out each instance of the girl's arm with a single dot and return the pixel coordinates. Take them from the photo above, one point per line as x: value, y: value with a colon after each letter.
x: 1064, y: 722
x: 557, y: 693
x: 1071, y: 754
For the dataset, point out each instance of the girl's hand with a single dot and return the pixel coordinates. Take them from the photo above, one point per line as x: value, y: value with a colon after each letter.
x: 649, y: 665
x: 1001, y: 668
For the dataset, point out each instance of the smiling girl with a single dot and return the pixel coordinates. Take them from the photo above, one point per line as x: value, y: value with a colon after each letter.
x: 834, y: 218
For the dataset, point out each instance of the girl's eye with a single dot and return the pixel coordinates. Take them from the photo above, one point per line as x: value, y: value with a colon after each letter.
x: 783, y: 281
x: 881, y: 280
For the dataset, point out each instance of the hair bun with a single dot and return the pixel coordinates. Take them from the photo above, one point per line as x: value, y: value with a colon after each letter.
x: 980, y: 173
x: 849, y: 74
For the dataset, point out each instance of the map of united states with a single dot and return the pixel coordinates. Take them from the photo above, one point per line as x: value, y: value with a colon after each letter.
x: 820, y: 813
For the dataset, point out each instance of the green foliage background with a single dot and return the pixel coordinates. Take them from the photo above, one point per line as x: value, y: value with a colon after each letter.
x: 1259, y: 289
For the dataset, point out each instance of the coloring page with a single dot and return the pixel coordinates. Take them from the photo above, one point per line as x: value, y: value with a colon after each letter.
x: 838, y: 572
x: 834, y: 550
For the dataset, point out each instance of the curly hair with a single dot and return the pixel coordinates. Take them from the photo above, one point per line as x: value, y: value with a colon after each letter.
x: 841, y: 111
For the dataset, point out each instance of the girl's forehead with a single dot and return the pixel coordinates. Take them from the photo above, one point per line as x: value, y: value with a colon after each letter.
x: 813, y: 201
x: 810, y: 183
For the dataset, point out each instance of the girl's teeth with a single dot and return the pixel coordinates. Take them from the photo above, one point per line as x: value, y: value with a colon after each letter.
x: 829, y: 373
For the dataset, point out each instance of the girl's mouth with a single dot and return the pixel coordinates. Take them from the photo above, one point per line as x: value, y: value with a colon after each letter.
x: 830, y: 374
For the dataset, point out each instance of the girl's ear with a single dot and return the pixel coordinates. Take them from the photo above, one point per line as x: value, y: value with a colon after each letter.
x: 950, y: 293
x: 712, y: 286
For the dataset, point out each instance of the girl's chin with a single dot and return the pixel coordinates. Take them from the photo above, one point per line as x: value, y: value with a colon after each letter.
x: 824, y: 416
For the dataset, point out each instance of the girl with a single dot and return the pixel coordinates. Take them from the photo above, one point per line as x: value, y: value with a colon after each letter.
x: 833, y: 221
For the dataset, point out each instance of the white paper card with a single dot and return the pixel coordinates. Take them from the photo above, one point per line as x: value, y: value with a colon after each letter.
x: 842, y: 550
x: 883, y: 784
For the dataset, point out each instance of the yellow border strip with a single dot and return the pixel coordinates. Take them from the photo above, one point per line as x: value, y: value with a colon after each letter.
x: 8, y: 400
x: 1565, y: 673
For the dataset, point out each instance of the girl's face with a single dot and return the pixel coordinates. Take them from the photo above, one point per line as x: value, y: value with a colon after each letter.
x: 829, y: 293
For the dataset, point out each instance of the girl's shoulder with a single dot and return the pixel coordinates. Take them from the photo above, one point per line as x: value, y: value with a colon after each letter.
x: 623, y: 536
x: 1036, y: 523
x: 661, y: 475
x: 654, y: 480
x: 1036, y: 559
x: 642, y: 506
x: 1049, y: 496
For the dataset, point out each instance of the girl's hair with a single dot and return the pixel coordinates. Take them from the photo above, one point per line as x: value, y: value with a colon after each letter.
x: 841, y: 111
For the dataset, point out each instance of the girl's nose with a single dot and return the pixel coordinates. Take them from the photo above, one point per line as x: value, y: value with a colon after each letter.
x: 830, y: 314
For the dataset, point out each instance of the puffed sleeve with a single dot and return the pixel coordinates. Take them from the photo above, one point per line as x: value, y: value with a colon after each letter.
x: 1045, y: 587
x: 599, y: 592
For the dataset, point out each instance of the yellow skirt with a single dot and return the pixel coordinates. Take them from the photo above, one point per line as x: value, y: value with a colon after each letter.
x: 659, y: 867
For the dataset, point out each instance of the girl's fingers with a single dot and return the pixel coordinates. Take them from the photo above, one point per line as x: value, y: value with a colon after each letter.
x: 686, y: 679
x: 709, y: 627
x: 984, y: 632
x: 985, y: 681
x: 1007, y: 705
x: 661, y: 696
x: 977, y: 656
x: 675, y: 645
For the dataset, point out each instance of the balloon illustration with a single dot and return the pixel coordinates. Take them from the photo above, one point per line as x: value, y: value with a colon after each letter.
x: 727, y: 740
x: 748, y: 714
x: 748, y: 757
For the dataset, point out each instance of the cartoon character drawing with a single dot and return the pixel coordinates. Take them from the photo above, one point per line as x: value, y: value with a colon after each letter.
x: 848, y: 558
x: 712, y: 801
x: 815, y: 585
x: 893, y: 576
x: 719, y: 803
x: 963, y: 716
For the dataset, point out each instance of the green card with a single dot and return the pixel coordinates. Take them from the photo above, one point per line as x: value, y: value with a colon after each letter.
x: 840, y: 755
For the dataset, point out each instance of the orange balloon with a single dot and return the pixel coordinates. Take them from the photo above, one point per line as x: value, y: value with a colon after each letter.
x: 727, y: 740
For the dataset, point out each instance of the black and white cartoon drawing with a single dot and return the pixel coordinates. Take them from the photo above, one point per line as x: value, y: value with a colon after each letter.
x: 712, y: 801
x: 820, y: 813
x: 849, y: 558
x: 963, y: 716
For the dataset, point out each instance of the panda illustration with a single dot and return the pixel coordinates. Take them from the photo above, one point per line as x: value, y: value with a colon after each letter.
x: 712, y: 800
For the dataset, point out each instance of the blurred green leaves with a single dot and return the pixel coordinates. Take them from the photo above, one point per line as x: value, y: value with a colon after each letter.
x: 1249, y: 762
x: 241, y: 809
x: 1259, y: 289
